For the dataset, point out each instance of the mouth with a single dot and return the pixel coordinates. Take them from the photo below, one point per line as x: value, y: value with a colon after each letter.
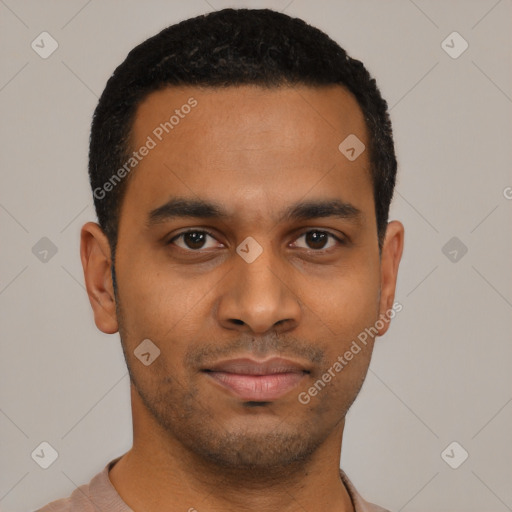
x: 254, y: 381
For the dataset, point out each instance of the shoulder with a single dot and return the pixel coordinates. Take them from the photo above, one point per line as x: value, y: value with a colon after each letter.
x: 360, y: 504
x: 78, y: 501
x: 90, y: 497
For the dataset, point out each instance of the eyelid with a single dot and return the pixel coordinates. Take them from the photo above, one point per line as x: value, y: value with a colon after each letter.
x: 339, y: 240
x: 192, y: 230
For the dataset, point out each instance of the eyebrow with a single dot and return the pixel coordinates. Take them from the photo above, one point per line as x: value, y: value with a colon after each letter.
x: 178, y: 207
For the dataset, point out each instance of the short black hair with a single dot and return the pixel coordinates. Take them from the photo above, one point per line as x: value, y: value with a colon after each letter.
x: 231, y: 47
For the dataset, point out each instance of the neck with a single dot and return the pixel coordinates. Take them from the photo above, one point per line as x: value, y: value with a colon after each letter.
x: 159, y: 474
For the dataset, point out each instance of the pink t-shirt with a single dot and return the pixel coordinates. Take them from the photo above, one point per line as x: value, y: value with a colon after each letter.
x: 99, y: 495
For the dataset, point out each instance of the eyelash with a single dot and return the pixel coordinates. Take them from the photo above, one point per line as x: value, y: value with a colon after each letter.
x: 339, y: 241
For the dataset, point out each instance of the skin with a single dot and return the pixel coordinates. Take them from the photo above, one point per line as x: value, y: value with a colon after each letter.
x: 255, y: 152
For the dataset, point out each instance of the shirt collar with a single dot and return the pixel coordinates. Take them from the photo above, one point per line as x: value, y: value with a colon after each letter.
x: 103, y: 483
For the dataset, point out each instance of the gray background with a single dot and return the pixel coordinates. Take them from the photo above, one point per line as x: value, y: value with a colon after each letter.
x: 441, y: 373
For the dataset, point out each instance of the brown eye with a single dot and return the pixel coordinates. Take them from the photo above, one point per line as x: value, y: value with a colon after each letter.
x: 317, y: 240
x: 194, y: 240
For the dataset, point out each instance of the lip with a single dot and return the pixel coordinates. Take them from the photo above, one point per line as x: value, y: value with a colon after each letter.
x: 257, y: 381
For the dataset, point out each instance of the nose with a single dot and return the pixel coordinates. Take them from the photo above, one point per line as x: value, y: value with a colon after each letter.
x: 259, y: 297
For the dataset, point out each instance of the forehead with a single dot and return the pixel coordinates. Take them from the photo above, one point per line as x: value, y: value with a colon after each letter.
x: 248, y: 147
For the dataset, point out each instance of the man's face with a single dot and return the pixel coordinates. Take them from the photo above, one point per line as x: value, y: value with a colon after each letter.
x: 257, y: 155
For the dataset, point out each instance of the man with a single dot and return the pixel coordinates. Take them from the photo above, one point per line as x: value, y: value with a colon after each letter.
x: 242, y: 167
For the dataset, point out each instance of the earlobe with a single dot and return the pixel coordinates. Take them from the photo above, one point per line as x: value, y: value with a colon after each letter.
x: 390, y: 260
x: 96, y: 262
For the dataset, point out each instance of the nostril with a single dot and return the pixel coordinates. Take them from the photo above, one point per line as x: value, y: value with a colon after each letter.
x: 237, y: 321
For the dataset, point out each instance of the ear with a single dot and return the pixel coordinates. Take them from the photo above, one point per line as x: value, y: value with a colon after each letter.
x: 390, y: 259
x: 96, y: 262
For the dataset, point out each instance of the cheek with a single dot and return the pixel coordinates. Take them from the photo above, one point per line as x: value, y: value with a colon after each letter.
x: 161, y: 304
x: 345, y: 303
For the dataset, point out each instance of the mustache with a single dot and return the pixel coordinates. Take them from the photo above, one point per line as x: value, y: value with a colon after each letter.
x: 208, y: 353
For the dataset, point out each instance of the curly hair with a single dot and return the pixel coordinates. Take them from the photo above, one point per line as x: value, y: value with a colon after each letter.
x: 233, y: 47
